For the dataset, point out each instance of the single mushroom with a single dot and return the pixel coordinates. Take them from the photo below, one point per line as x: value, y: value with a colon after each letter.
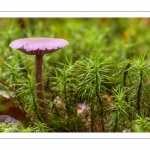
x: 39, y: 47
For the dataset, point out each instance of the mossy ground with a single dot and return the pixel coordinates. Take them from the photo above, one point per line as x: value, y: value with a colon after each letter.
x: 105, y: 67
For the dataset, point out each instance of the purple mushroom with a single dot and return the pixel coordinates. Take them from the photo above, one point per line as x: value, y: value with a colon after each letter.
x: 39, y: 47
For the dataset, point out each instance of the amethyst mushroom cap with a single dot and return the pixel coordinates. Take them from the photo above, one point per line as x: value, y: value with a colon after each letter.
x: 39, y: 47
x: 35, y: 46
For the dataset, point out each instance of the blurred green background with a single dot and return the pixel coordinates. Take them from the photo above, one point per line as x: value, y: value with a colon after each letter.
x: 122, y: 38
x: 118, y: 38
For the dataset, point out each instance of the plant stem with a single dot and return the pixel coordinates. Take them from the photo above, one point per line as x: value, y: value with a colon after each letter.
x: 101, y: 110
x: 139, y: 93
x: 116, y: 123
x: 39, y: 85
x: 92, y: 118
x: 99, y: 99
x: 36, y: 111
x: 125, y: 85
x: 66, y: 101
x: 125, y: 74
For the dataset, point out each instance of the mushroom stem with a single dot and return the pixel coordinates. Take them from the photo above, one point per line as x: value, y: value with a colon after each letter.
x: 39, y: 85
